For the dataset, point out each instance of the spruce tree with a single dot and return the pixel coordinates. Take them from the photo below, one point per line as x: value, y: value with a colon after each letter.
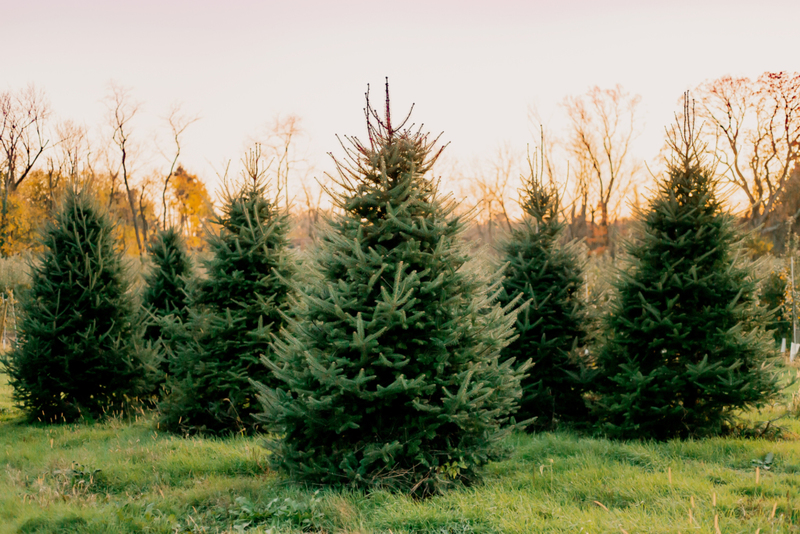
x: 76, y: 356
x: 391, y: 371
x: 686, y: 345
x: 551, y: 329
x: 166, y: 284
x: 773, y: 298
x: 232, y: 314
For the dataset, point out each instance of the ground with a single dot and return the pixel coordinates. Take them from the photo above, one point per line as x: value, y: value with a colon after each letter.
x: 125, y: 476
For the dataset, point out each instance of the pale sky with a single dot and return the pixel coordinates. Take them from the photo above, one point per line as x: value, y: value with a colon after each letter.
x: 474, y: 69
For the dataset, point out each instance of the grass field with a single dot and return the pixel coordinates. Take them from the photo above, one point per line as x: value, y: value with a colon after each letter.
x: 126, y: 476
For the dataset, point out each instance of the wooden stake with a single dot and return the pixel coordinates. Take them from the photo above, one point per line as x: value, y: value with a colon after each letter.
x: 716, y: 524
x: 774, y: 509
x: 758, y: 474
x: 669, y: 473
x: 714, y: 499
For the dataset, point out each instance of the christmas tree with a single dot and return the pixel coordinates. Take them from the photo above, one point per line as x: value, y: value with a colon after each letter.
x: 686, y: 345
x: 774, y: 288
x: 232, y: 314
x: 551, y: 329
x: 391, y: 371
x: 76, y: 356
x: 166, y: 289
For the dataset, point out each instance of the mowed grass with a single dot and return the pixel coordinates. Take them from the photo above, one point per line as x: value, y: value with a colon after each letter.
x: 126, y: 476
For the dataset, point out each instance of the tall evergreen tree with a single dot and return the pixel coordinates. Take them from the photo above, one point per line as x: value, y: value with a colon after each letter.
x: 686, y: 345
x: 232, y: 314
x: 76, y: 356
x: 391, y: 371
x: 551, y: 329
x: 166, y: 284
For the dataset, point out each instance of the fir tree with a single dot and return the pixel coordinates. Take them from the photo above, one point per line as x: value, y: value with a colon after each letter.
x: 773, y: 298
x: 391, y: 368
x: 232, y: 313
x: 686, y: 345
x: 77, y: 356
x: 552, y: 328
x: 166, y: 289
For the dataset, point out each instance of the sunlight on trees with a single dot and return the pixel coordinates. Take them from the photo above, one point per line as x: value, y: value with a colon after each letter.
x: 603, y: 124
x: 754, y: 135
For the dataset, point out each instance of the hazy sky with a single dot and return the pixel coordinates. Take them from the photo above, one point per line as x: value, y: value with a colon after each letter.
x: 474, y: 69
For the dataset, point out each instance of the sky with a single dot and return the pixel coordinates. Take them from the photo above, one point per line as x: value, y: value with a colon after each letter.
x: 473, y: 69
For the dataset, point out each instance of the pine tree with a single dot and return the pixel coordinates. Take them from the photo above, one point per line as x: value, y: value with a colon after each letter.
x: 391, y: 369
x: 686, y: 345
x: 232, y: 314
x: 77, y: 356
x: 166, y: 284
x: 552, y: 328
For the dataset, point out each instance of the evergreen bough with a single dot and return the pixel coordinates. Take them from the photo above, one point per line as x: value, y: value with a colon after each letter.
x: 391, y: 370
x: 686, y: 345
x: 76, y: 356
x: 551, y: 329
x: 232, y: 314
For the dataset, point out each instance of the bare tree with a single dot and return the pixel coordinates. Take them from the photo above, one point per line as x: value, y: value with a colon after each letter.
x: 121, y: 110
x: 280, y: 143
x: 312, y: 199
x: 144, y: 202
x: 22, y: 141
x: 493, y: 186
x: 178, y: 123
x: 66, y: 158
x: 755, y: 134
x: 603, y: 124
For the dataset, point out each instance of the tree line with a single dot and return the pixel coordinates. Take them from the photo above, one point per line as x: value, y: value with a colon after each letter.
x: 751, y: 134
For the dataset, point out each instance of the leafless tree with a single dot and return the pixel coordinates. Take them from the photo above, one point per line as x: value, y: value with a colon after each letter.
x: 121, y: 110
x: 143, y: 192
x: 66, y: 157
x: 22, y: 141
x: 178, y: 123
x: 755, y: 134
x: 281, y: 145
x: 493, y: 186
x: 603, y: 124
x: 312, y: 200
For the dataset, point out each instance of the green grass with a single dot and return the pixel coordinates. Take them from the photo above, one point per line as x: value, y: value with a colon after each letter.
x: 126, y: 476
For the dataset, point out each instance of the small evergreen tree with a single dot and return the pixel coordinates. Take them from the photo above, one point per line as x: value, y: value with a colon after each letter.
x: 391, y: 371
x: 76, y: 356
x: 773, y: 298
x: 552, y: 328
x: 232, y: 314
x: 686, y: 345
x: 166, y: 289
